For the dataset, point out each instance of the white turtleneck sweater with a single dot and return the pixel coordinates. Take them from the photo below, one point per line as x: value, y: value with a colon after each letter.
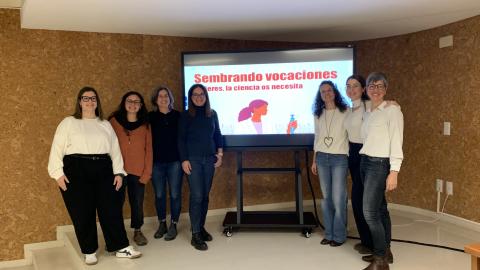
x: 354, y: 118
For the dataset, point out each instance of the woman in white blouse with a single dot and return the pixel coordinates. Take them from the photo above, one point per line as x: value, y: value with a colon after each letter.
x: 330, y: 161
x: 86, y: 162
x: 355, y: 89
x: 382, y: 155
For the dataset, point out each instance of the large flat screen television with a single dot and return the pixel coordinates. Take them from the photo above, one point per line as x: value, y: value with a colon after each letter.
x: 264, y: 99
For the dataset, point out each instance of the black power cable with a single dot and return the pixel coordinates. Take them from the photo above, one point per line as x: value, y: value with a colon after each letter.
x: 354, y: 237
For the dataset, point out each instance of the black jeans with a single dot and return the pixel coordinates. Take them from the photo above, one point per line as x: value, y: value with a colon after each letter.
x: 357, y: 195
x: 374, y: 172
x: 136, y: 191
x: 91, y: 190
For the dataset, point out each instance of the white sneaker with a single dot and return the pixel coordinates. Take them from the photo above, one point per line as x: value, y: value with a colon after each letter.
x: 91, y: 259
x: 128, y: 252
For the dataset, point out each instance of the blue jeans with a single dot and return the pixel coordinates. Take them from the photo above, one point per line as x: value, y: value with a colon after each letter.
x: 171, y: 173
x: 200, y: 181
x: 332, y: 172
x: 374, y: 172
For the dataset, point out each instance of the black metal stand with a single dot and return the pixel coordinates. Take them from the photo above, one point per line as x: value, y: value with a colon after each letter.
x: 270, y: 219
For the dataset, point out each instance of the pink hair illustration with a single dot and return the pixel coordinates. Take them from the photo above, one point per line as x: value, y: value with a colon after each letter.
x: 248, y: 112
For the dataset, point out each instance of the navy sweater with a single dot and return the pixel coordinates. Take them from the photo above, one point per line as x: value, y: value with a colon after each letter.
x: 198, y: 136
x: 164, y: 135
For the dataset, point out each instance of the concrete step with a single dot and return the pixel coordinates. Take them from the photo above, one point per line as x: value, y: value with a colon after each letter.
x: 56, y: 258
x: 27, y: 267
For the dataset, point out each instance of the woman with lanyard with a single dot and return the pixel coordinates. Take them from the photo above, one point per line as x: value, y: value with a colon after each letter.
x: 330, y: 161
x: 200, y: 146
x: 381, y: 158
x: 86, y: 162
x: 130, y: 124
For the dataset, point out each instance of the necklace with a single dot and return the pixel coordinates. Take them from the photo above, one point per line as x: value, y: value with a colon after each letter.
x: 328, y: 140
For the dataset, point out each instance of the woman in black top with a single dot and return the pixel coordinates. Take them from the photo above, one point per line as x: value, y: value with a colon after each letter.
x: 200, y: 146
x: 166, y: 161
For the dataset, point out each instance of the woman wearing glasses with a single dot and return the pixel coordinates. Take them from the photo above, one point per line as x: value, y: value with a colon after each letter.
x: 133, y: 132
x: 381, y: 158
x: 86, y: 162
x: 200, y: 146
x: 330, y: 161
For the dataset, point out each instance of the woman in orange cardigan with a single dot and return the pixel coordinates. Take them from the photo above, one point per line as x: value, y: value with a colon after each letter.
x: 130, y: 124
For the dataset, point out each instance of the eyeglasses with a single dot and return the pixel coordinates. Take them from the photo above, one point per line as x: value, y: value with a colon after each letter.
x: 86, y: 98
x: 198, y: 95
x: 376, y: 86
x: 134, y: 102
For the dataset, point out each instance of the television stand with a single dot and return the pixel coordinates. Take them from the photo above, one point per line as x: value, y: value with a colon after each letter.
x: 297, y: 219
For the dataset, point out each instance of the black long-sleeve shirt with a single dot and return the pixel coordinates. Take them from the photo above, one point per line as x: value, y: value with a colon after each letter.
x: 164, y: 135
x: 199, y: 135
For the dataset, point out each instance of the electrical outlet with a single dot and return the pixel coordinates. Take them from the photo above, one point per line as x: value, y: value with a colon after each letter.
x: 449, y: 188
x: 439, y: 185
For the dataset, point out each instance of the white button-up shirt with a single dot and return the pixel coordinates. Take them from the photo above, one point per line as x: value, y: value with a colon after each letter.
x: 382, y: 133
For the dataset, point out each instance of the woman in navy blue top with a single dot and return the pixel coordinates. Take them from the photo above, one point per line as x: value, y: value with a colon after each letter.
x: 200, y: 146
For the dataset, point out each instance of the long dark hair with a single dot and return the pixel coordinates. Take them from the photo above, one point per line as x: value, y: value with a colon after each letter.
x: 78, y: 110
x: 319, y: 104
x: 191, y: 107
x: 363, y: 83
x: 121, y: 113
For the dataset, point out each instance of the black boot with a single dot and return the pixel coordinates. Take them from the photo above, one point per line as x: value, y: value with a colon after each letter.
x: 172, y: 232
x: 205, y: 235
x: 198, y: 242
x: 162, y: 229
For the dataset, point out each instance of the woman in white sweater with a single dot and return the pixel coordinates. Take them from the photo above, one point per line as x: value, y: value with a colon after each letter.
x: 330, y: 161
x: 86, y: 162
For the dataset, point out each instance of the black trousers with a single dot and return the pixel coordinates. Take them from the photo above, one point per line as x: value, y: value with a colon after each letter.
x: 136, y: 191
x: 357, y: 195
x: 91, y: 190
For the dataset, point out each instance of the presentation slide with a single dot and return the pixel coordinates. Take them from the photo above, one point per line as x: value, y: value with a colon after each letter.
x: 266, y: 95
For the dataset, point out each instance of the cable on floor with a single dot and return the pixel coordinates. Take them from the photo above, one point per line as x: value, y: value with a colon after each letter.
x: 393, y: 240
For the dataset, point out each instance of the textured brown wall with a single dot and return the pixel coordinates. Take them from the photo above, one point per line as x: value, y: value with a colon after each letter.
x: 434, y: 85
x: 41, y: 72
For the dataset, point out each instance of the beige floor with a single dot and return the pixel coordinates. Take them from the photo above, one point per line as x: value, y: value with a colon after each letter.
x: 288, y: 249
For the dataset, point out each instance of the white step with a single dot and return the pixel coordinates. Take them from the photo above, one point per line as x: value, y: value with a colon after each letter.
x: 57, y: 258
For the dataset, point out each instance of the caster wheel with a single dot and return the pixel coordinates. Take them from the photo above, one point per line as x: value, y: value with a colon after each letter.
x: 228, y: 232
x: 307, y: 233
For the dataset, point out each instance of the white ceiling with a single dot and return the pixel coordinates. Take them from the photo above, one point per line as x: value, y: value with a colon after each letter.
x: 275, y: 20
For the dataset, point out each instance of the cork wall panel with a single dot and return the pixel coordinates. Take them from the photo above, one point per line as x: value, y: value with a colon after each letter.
x: 41, y: 72
x: 434, y: 85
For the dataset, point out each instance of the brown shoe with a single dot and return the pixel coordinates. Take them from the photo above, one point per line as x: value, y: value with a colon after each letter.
x: 388, y: 257
x: 362, y: 249
x: 378, y: 263
x: 139, y: 238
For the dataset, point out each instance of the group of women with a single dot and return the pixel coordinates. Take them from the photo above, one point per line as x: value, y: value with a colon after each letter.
x: 366, y: 139
x: 94, y: 160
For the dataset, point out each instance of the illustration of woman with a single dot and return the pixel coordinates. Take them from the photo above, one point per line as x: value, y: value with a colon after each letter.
x: 255, y: 110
